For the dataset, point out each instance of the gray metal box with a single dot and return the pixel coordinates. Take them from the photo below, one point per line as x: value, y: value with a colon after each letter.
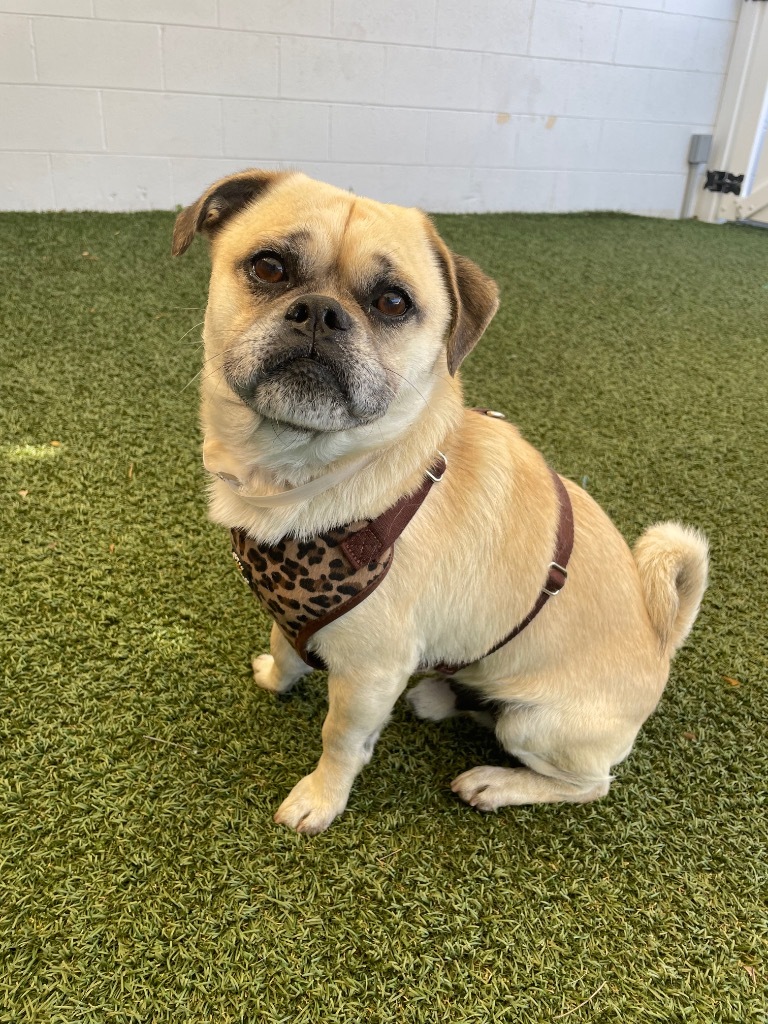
x: 698, y: 151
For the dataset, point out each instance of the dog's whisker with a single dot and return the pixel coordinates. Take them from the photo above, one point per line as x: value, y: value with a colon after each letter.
x: 205, y: 366
x: 186, y: 309
x: 409, y: 382
x: 192, y: 328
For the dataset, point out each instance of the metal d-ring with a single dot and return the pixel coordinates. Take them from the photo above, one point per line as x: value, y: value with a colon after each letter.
x: 437, y: 479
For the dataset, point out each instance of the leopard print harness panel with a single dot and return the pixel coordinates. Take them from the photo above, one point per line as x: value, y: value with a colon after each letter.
x: 305, y: 585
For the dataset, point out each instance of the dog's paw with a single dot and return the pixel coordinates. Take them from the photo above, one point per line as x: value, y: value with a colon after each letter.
x: 309, y: 808
x: 266, y: 676
x: 432, y: 699
x: 484, y: 788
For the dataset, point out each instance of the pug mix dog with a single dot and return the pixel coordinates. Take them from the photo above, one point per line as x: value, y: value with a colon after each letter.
x: 391, y: 530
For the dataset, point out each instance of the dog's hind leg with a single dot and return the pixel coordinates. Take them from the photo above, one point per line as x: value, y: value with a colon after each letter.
x: 280, y: 670
x: 487, y: 788
x: 567, y: 760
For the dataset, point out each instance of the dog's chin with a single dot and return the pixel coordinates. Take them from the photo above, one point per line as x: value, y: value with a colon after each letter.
x: 307, y: 395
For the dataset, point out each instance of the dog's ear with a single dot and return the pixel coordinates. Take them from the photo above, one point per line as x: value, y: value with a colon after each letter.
x: 218, y: 203
x: 474, y: 300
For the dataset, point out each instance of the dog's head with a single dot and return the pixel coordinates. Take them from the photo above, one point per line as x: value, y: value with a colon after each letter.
x: 325, y: 307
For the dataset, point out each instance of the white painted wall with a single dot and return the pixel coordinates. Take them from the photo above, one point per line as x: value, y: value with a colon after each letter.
x: 452, y: 105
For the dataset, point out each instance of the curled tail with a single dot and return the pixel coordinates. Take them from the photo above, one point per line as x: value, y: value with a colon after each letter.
x: 672, y: 561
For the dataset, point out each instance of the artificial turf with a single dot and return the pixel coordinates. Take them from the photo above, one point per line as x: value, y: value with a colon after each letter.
x: 141, y: 876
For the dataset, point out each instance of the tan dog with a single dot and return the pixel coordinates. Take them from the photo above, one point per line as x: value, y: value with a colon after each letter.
x: 334, y: 329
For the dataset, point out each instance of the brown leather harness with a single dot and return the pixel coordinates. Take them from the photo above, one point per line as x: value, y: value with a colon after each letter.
x: 305, y: 585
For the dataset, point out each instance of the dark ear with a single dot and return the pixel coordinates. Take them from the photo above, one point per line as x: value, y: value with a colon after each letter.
x: 474, y: 300
x: 217, y: 203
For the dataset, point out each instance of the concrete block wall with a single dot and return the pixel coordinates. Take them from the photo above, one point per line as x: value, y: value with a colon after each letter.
x: 451, y: 105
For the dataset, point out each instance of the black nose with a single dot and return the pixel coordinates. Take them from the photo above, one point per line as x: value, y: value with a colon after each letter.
x: 318, y: 317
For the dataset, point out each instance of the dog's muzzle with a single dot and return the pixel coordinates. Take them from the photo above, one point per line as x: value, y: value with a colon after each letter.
x: 312, y: 369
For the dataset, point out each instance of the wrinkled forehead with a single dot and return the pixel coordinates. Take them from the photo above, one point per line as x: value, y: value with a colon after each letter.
x: 337, y: 232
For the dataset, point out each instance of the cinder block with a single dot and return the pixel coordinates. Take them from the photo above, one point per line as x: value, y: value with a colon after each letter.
x: 675, y: 41
x: 65, y: 8
x: 304, y: 17
x: 574, y: 31
x: 338, y: 174
x: 17, y: 63
x: 658, y: 40
x: 500, y: 190
x: 34, y: 117
x: 390, y: 184
x: 257, y: 130
x: 727, y: 10
x: 447, y: 190
x: 471, y: 139
x: 163, y: 12
x: 508, y: 83
x: 685, y: 96
x: 582, y: 89
x: 492, y: 26
x: 191, y: 176
x: 557, y: 143
x: 400, y: 21
x: 216, y: 62
x: 644, y: 5
x: 442, y: 79
x: 105, y: 181
x: 713, y: 45
x: 99, y: 53
x: 651, y: 195
x: 331, y: 69
x: 162, y: 124
x: 644, y: 146
x: 387, y: 135
x: 25, y: 182
x: 517, y: 141
x: 643, y: 94
x: 438, y: 190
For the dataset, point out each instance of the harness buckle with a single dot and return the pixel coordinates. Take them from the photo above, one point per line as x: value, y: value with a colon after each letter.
x: 437, y: 479
x: 553, y: 585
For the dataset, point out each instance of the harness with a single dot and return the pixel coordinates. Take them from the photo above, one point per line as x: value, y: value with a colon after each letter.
x: 305, y: 585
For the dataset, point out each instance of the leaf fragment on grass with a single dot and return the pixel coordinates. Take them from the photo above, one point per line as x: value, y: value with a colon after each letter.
x: 584, y: 1003
x: 731, y: 681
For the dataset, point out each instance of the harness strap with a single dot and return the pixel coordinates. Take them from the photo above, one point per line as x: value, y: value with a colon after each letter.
x: 369, y: 545
x: 556, y: 576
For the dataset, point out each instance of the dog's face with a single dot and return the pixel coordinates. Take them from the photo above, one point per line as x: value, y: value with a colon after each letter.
x: 323, y: 306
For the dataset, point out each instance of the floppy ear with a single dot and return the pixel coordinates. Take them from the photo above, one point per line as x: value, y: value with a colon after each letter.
x: 217, y: 203
x: 474, y: 300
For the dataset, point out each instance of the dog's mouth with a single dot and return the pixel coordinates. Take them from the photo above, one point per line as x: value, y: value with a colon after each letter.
x: 312, y: 390
x: 311, y: 365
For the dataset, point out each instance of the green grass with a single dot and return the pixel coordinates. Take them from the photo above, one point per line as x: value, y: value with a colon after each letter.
x: 141, y: 877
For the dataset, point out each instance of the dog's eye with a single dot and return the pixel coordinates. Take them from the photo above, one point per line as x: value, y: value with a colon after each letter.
x: 268, y: 268
x: 392, y: 304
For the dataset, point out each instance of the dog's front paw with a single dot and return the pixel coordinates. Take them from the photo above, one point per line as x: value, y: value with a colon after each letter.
x: 266, y: 676
x: 484, y: 788
x: 309, y: 808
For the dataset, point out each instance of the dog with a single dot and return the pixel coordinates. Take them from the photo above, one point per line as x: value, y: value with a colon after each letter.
x: 330, y: 396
